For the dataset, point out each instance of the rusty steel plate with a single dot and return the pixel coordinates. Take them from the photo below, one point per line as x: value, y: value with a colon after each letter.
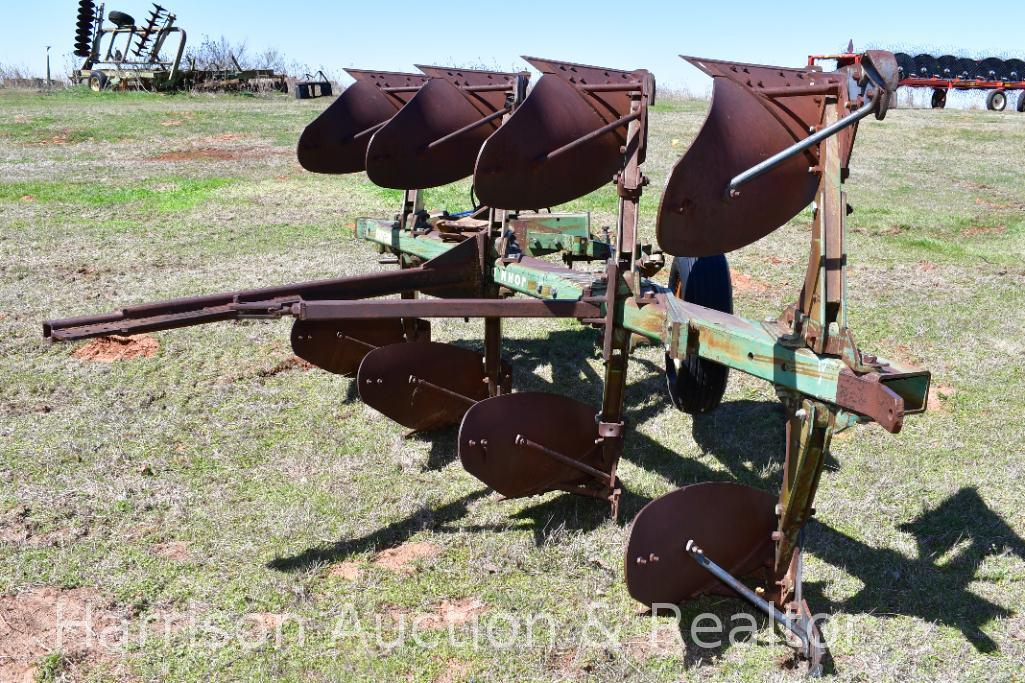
x: 391, y: 380
x: 489, y: 450
x: 401, y: 154
x: 748, y: 122
x: 512, y: 170
x: 339, y: 346
x: 732, y: 523
x: 336, y: 141
x: 695, y: 217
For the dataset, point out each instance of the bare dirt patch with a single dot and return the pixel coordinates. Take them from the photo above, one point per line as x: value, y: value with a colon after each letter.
x: 293, y: 363
x: 660, y: 643
x: 454, y: 671
x: 177, y: 551
x: 348, y: 571
x: 452, y: 613
x: 116, y: 347
x: 985, y: 230
x: 78, y: 624
x: 939, y: 395
x: 18, y: 527
x: 401, y: 559
x: 200, y: 153
x: 747, y: 284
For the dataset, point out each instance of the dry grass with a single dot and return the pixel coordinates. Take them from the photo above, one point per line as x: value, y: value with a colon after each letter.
x: 195, y: 493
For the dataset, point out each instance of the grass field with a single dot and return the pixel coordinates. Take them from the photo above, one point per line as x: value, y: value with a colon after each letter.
x: 216, y: 511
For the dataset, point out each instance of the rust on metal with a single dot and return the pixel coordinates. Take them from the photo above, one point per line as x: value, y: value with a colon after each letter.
x: 527, y: 443
x: 434, y: 139
x: 424, y: 385
x: 336, y: 141
x: 749, y: 121
x: 526, y: 164
x: 339, y: 346
x: 732, y: 522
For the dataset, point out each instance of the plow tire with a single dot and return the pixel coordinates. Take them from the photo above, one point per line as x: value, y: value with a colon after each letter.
x: 696, y: 385
x: 121, y: 19
x: 996, y: 100
x: 939, y: 98
x: 1021, y: 102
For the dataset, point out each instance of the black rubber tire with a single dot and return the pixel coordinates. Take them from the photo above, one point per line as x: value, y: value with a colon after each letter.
x: 97, y: 81
x: 996, y: 100
x: 696, y: 385
x: 939, y: 98
x: 1021, y: 102
x: 120, y: 19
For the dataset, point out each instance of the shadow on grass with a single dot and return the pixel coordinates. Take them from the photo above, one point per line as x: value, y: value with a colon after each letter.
x: 928, y: 586
x: 397, y: 532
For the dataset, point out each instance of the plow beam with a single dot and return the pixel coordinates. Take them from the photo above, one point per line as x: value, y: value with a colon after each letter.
x: 459, y: 265
x: 336, y: 141
x: 434, y: 139
x: 444, y: 308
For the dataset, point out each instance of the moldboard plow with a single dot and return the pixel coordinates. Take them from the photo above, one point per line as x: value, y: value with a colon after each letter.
x: 776, y: 140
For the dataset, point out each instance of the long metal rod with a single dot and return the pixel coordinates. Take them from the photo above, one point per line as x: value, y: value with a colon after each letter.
x: 368, y: 131
x: 443, y: 308
x: 413, y: 379
x: 778, y: 616
x: 618, y: 123
x: 467, y: 128
x: 521, y: 440
x: 798, y: 147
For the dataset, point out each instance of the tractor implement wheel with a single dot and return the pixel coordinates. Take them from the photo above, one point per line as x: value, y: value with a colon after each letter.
x: 939, y: 98
x: 996, y: 100
x: 1021, y: 102
x: 97, y: 81
x: 696, y: 385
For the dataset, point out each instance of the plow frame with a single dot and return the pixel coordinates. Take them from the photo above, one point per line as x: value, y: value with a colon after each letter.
x: 477, y: 264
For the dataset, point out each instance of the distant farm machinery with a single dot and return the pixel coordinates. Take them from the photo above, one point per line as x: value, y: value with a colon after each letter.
x: 776, y: 140
x: 997, y: 77
x: 123, y: 55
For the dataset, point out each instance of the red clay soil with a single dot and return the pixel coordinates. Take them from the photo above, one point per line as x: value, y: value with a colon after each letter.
x: 116, y: 347
x: 199, y: 153
x: 77, y: 623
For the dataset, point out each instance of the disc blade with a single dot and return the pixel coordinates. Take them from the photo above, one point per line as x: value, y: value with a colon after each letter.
x: 732, y: 523
x: 398, y: 155
x: 695, y: 218
x: 336, y: 141
x: 339, y: 346
x: 402, y: 381
x: 512, y: 171
x: 489, y: 450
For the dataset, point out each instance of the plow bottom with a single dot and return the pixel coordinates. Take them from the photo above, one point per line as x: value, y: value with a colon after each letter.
x: 340, y: 346
x: 424, y: 385
x: 527, y: 443
x: 731, y: 522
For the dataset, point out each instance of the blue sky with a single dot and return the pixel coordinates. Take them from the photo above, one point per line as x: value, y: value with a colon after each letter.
x: 393, y: 34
